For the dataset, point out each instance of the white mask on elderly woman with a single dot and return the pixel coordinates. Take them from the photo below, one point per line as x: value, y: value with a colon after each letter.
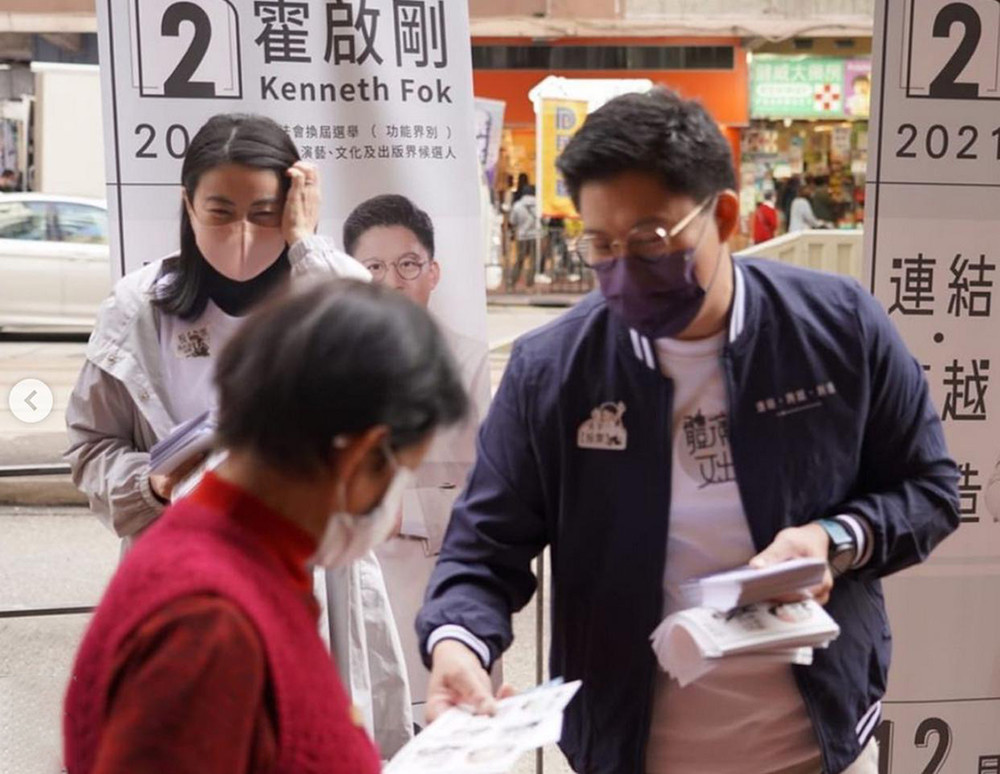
x: 348, y: 537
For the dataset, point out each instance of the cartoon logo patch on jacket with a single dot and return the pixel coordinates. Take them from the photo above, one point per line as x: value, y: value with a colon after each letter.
x: 605, y: 429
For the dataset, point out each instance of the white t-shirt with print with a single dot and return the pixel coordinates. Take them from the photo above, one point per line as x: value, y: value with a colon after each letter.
x: 736, y: 719
x: 189, y: 350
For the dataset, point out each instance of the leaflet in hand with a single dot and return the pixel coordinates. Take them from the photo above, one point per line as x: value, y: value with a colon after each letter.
x: 187, y: 441
x: 462, y: 743
x: 748, y: 585
x: 691, y: 643
x: 732, y: 618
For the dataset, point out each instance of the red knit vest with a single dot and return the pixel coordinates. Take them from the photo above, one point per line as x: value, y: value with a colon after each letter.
x: 196, y: 550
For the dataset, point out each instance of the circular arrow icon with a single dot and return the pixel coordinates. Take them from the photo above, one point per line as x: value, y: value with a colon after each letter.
x: 30, y: 401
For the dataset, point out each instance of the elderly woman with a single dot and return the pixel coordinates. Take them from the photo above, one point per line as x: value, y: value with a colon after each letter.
x: 204, y: 655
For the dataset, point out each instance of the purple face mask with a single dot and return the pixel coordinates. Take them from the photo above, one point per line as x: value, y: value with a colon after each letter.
x: 658, y: 296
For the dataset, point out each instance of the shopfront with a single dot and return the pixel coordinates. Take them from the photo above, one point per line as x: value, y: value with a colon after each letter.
x: 809, y: 123
x: 712, y: 70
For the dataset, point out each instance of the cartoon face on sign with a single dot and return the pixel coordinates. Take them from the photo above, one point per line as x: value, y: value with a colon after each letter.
x: 605, y: 429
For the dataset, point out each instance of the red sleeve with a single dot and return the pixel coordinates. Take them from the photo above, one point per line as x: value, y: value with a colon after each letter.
x: 188, y: 695
x: 772, y: 219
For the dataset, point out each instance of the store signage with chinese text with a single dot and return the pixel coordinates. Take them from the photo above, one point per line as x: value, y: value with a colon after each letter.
x: 808, y: 87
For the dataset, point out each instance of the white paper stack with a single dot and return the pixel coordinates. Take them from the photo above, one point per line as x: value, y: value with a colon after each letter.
x: 185, y: 442
x: 733, y: 622
x: 462, y: 743
x: 747, y: 585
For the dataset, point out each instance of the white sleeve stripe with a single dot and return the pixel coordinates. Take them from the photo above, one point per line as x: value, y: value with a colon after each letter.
x: 463, y: 635
x: 872, y: 710
x: 869, y: 723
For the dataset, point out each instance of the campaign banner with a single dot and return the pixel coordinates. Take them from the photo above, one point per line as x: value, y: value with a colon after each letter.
x: 489, y: 134
x: 378, y: 95
x: 933, y: 193
x: 558, y: 121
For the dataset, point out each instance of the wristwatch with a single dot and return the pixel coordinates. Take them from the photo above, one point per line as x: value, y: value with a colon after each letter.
x: 843, y: 546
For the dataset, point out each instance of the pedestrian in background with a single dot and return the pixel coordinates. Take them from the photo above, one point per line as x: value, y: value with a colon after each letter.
x: 801, y: 216
x: 527, y: 231
x: 765, y: 219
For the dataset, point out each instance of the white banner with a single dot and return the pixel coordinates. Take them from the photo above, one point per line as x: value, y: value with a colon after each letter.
x: 933, y: 246
x: 378, y: 95
x: 489, y: 133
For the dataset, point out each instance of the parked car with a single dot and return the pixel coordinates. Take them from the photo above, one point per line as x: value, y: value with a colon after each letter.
x: 54, y: 260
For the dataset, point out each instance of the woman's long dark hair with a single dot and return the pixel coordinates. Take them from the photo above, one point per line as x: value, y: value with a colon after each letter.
x: 229, y: 138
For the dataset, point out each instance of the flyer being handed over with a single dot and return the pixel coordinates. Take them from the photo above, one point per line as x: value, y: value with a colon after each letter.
x: 460, y: 742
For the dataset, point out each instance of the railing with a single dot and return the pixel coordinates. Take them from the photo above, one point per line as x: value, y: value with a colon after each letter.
x: 21, y: 471
x: 840, y: 252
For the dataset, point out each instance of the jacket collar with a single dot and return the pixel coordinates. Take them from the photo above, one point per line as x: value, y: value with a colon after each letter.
x: 642, y: 346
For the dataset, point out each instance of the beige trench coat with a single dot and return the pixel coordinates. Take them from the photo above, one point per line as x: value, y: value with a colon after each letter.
x: 118, y: 411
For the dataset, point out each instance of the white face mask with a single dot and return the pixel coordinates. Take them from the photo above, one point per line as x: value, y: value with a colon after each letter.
x: 347, y: 537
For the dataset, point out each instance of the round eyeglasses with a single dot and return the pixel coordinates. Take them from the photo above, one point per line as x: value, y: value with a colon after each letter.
x: 644, y: 242
x: 407, y: 267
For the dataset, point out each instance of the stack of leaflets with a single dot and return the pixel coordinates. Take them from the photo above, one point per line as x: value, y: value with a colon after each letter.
x: 187, y: 441
x: 734, y: 621
x: 460, y: 742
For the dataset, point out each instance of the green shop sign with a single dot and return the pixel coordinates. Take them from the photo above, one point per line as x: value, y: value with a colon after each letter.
x: 801, y: 87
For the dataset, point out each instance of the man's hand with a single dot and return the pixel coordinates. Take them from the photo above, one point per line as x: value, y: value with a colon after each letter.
x: 808, y: 542
x: 458, y: 677
x: 302, y: 204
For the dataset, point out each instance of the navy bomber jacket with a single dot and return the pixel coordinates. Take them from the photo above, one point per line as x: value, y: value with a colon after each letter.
x: 828, y: 414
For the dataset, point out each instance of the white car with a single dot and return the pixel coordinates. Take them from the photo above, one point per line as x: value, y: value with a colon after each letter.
x: 54, y: 260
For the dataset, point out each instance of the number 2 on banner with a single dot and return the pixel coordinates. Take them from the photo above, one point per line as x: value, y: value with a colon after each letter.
x: 186, y: 49
x: 948, y: 54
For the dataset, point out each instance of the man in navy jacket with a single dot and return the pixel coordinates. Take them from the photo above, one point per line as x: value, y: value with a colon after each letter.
x: 699, y: 413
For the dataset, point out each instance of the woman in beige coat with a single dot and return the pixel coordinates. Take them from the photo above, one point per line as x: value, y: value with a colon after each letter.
x: 249, y: 212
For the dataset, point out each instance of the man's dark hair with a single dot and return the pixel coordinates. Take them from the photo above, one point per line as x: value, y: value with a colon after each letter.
x: 656, y: 132
x: 388, y: 210
x: 335, y: 359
